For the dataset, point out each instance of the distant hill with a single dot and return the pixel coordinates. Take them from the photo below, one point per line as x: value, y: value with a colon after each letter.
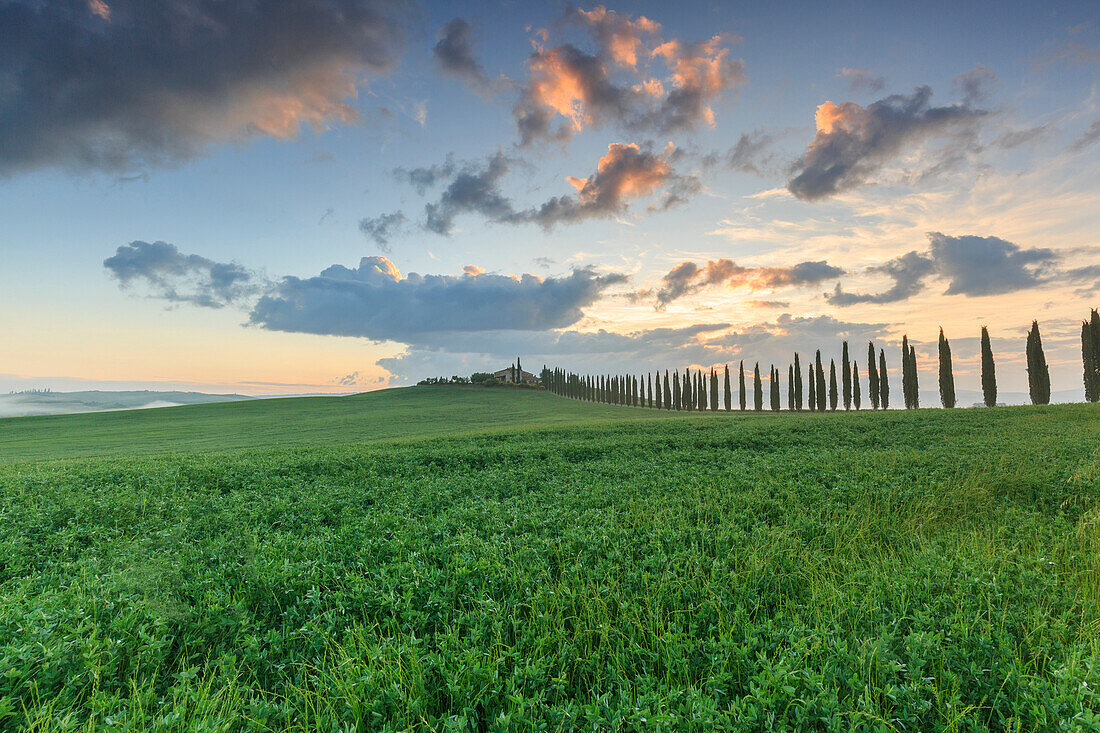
x: 23, y: 404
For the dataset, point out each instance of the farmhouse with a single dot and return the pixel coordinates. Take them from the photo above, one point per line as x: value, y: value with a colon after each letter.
x: 507, y: 375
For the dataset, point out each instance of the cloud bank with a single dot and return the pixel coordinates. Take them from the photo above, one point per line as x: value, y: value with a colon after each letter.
x: 375, y: 301
x: 973, y: 266
x: 116, y: 85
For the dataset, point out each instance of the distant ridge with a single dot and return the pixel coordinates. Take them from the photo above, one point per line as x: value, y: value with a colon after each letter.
x: 28, y: 403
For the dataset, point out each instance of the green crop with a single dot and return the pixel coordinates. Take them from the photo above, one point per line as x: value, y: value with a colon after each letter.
x: 918, y: 571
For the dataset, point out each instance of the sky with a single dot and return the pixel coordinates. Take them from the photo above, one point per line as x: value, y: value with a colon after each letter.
x: 282, y: 197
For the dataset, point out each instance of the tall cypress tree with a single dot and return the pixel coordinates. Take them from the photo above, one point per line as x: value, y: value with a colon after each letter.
x: 757, y: 389
x: 812, y: 379
x: 906, y: 393
x: 728, y: 394
x: 947, y: 375
x: 1038, y: 376
x: 676, y: 394
x: 913, y: 385
x: 713, y: 390
x: 797, y: 383
x: 776, y: 406
x: 741, y: 384
x: 883, y: 381
x: 821, y: 395
x: 701, y: 391
x: 832, y: 385
x: 790, y: 387
x: 1090, y: 355
x: 666, y: 400
x: 872, y: 376
x: 687, y: 399
x: 989, y: 372
x: 855, y: 385
x: 846, y: 376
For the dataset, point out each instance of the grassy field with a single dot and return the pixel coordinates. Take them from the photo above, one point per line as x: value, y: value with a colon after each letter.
x: 297, y: 421
x: 884, y: 572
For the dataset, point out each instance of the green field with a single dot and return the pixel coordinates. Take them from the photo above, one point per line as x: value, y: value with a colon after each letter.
x: 447, y: 559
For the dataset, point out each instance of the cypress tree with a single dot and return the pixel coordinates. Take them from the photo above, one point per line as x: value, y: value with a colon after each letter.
x: 776, y: 406
x: 713, y: 390
x: 855, y: 385
x: 914, y: 387
x: 846, y: 376
x: 989, y: 371
x: 872, y: 376
x: 797, y: 383
x: 1038, y: 376
x: 757, y: 389
x: 667, y: 401
x: 741, y: 380
x: 947, y: 375
x: 812, y: 378
x: 832, y: 385
x: 728, y: 394
x: 883, y: 381
x: 687, y: 399
x: 676, y: 394
x: 790, y: 387
x: 1090, y: 355
x: 701, y: 391
x: 1094, y: 329
x: 906, y: 392
x: 821, y: 394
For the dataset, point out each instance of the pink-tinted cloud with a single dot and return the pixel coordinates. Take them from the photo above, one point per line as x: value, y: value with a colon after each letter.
x: 689, y: 277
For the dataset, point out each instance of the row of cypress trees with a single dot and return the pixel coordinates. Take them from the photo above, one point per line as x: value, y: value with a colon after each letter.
x: 700, y: 391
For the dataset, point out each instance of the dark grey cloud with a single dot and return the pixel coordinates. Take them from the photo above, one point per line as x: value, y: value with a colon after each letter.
x: 118, y: 85
x: 750, y: 154
x: 689, y: 277
x: 382, y: 228
x: 171, y: 275
x: 453, y: 54
x: 854, y: 142
x: 1088, y: 137
x: 471, y: 190
x: 973, y: 266
x: 375, y: 301
x: 426, y: 177
x: 908, y: 272
x: 987, y: 265
x: 627, y: 172
x: 863, y: 80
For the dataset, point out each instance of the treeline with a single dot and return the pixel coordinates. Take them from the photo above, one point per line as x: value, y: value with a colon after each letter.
x: 819, y: 389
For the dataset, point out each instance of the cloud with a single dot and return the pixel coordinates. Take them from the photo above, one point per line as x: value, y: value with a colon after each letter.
x: 974, y: 85
x: 908, y: 272
x: 634, y: 79
x: 627, y: 172
x: 986, y: 265
x: 129, y: 84
x: 171, y: 275
x: 471, y: 190
x: 424, y: 178
x: 973, y: 266
x: 453, y: 55
x: 748, y: 155
x: 375, y: 301
x: 1088, y: 137
x: 349, y: 380
x: 688, y: 277
x: 1089, y: 274
x: 863, y: 80
x: 382, y: 228
x: 854, y: 142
